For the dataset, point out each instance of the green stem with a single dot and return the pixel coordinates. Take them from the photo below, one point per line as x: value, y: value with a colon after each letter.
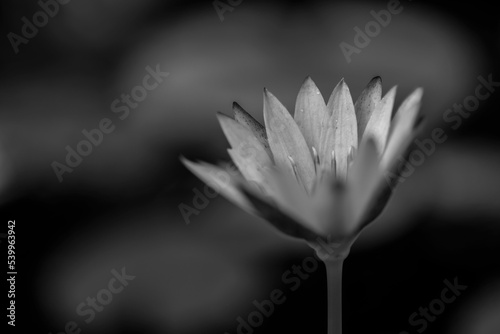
x: 334, y: 282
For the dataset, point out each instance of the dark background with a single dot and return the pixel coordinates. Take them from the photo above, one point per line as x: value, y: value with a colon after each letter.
x: 119, y: 208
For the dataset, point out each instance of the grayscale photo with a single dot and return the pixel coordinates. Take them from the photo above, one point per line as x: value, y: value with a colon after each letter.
x: 250, y: 167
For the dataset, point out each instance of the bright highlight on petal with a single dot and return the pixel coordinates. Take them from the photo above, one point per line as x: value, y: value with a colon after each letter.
x: 247, y: 151
x: 344, y: 127
x: 367, y: 102
x: 402, y: 128
x: 221, y: 180
x: 310, y: 113
x: 320, y: 175
x: 286, y: 140
x: 379, y: 123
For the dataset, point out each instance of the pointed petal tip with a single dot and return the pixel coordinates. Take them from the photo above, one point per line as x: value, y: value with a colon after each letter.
x: 343, y: 84
x: 237, y: 109
x: 267, y: 94
x: 393, y: 88
x: 391, y: 93
x: 308, y: 79
x: 187, y: 163
x: 417, y: 92
x: 270, y: 97
x: 183, y: 159
x: 375, y: 85
x: 194, y: 167
x: 308, y: 86
x: 221, y: 116
x: 346, y: 89
x: 416, y: 95
x: 307, y: 83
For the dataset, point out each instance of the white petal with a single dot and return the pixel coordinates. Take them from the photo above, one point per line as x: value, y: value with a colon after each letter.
x: 341, y: 136
x: 378, y: 126
x: 402, y: 129
x: 310, y: 112
x: 331, y: 208
x: 221, y: 180
x: 286, y: 140
x: 290, y: 196
x: 252, y: 167
x: 247, y: 151
x: 258, y: 130
x: 279, y: 216
x: 365, y: 180
x: 366, y: 103
x: 250, y: 151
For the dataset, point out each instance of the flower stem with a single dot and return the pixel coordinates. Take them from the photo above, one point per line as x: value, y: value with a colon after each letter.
x: 334, y: 281
x: 333, y: 254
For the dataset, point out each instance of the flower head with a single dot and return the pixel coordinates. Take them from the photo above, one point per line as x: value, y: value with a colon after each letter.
x: 321, y: 174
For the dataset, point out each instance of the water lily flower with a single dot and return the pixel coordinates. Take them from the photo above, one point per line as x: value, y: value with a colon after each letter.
x: 322, y: 174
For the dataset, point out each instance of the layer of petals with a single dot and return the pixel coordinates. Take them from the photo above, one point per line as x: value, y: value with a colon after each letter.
x: 367, y: 102
x: 222, y: 180
x: 343, y: 128
x: 310, y: 113
x: 286, y: 140
x: 285, y: 222
x: 364, y: 183
x: 402, y: 129
x: 258, y: 130
x: 378, y: 126
x: 331, y: 208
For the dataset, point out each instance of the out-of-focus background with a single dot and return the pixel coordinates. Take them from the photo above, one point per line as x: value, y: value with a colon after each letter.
x: 115, y: 211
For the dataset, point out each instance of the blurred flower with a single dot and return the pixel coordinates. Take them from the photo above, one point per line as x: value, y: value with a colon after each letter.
x: 321, y: 175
